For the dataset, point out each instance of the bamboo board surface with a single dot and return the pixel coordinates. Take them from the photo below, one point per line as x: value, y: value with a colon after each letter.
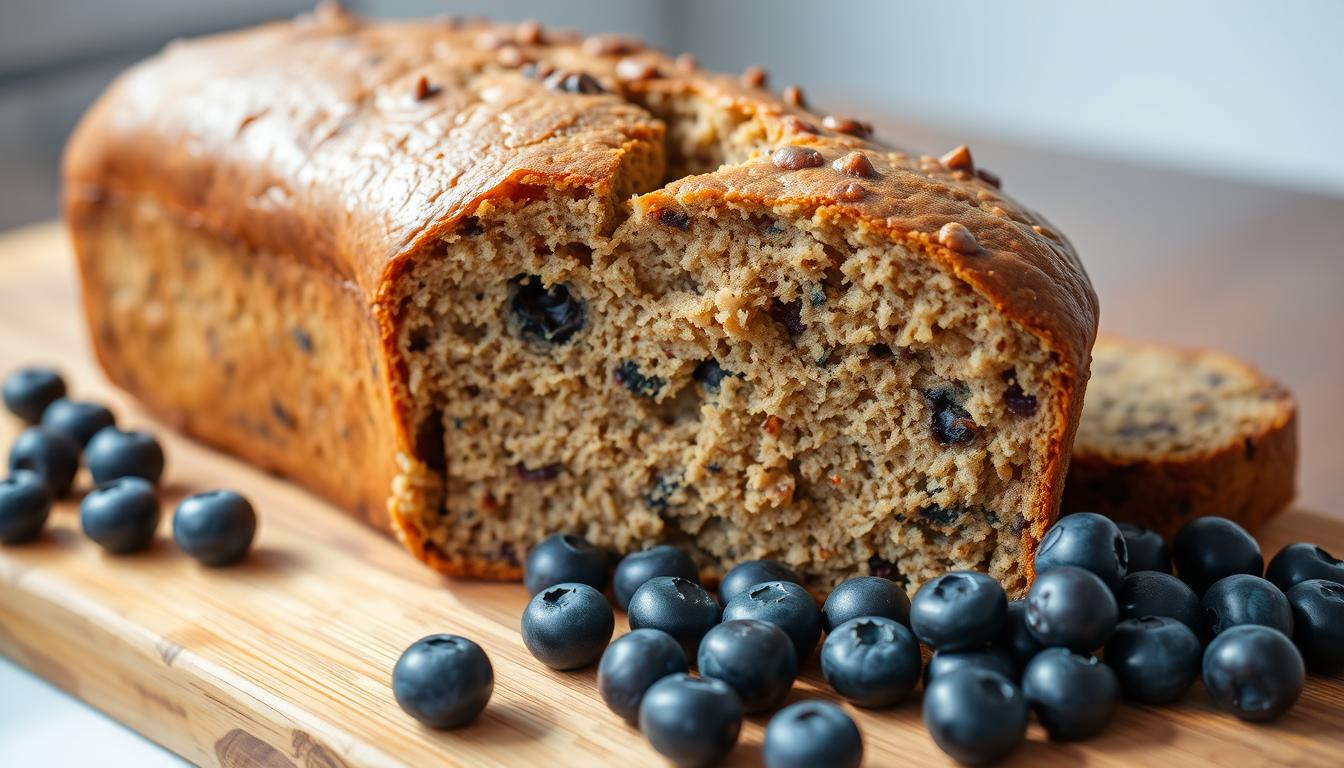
x: 286, y: 660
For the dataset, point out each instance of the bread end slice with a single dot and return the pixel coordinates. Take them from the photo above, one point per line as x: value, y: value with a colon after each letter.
x: 1169, y: 434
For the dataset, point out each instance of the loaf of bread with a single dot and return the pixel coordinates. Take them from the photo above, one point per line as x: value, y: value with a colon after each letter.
x: 1169, y: 434
x: 482, y: 283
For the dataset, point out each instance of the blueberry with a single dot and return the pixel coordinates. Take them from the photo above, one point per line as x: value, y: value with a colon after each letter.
x: 677, y: 606
x: 745, y: 575
x: 865, y: 596
x: 565, y: 558
x: 785, y: 604
x: 444, y: 681
x: 1147, y: 550
x: 755, y: 657
x: 1071, y: 608
x: 28, y: 392
x: 710, y: 375
x: 1254, y: 672
x: 959, y: 611
x: 950, y: 423
x: 691, y: 721
x: 568, y: 626
x: 113, y: 453
x: 52, y: 455
x: 975, y: 715
x: 25, y: 502
x: 991, y: 658
x: 635, y: 661
x: 1296, y: 563
x: 1088, y: 541
x: 120, y: 515
x: 871, y: 661
x: 1207, y: 549
x: 1245, y: 599
x: 638, y: 567
x: 812, y: 734
x: 1156, y: 658
x: 1151, y: 593
x: 79, y: 421
x: 1318, y: 624
x: 215, y: 527
x: 1073, y: 696
x: 1016, y: 638
x: 628, y: 375
x: 551, y: 315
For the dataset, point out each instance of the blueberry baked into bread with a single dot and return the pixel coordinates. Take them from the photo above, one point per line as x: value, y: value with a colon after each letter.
x: 1169, y: 434
x: 482, y: 283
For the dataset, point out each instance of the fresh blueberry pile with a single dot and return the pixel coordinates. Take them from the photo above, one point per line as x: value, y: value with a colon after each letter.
x: 120, y: 512
x: 1102, y: 622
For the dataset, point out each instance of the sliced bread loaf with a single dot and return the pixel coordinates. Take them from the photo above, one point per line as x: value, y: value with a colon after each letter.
x: 483, y: 283
x: 1169, y: 434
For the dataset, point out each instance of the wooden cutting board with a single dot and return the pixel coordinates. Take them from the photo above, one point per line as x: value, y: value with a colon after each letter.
x: 286, y: 659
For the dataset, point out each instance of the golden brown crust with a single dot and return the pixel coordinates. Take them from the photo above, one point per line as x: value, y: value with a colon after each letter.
x: 351, y: 147
x: 1248, y: 477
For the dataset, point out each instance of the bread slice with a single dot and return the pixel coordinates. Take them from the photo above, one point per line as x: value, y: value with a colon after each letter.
x: 482, y: 283
x: 1169, y: 434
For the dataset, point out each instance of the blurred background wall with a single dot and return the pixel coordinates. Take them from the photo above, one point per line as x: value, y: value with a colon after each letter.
x: 1190, y: 148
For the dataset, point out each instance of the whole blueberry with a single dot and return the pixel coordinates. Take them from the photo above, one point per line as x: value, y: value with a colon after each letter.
x: 689, y: 720
x: 564, y: 558
x: 113, y: 453
x: 1085, y: 540
x: 785, y: 604
x: 632, y: 663
x: 567, y: 626
x: 959, y: 611
x: 1073, y: 696
x: 1296, y: 563
x: 77, y: 420
x: 216, y: 527
x: 52, y: 455
x: 638, y: 567
x: 871, y: 661
x: 1245, y: 599
x: 865, y: 596
x: 1156, y: 658
x: 1318, y: 624
x: 1147, y: 550
x: 1254, y: 672
x: 1071, y: 608
x: 812, y: 734
x: 120, y: 515
x: 745, y: 575
x: 1207, y: 549
x: 755, y: 657
x: 991, y: 658
x: 677, y: 606
x: 1015, y: 638
x: 975, y: 715
x: 25, y: 503
x: 28, y: 392
x: 444, y: 681
x: 1151, y: 593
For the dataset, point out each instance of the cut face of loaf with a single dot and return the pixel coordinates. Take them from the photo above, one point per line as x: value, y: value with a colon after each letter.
x: 1170, y: 434
x: 595, y: 293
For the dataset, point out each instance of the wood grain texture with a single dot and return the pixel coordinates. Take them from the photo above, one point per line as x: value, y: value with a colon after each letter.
x: 286, y: 659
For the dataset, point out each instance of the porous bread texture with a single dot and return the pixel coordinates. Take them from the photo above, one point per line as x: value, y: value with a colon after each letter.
x: 1169, y: 434
x: 817, y: 447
